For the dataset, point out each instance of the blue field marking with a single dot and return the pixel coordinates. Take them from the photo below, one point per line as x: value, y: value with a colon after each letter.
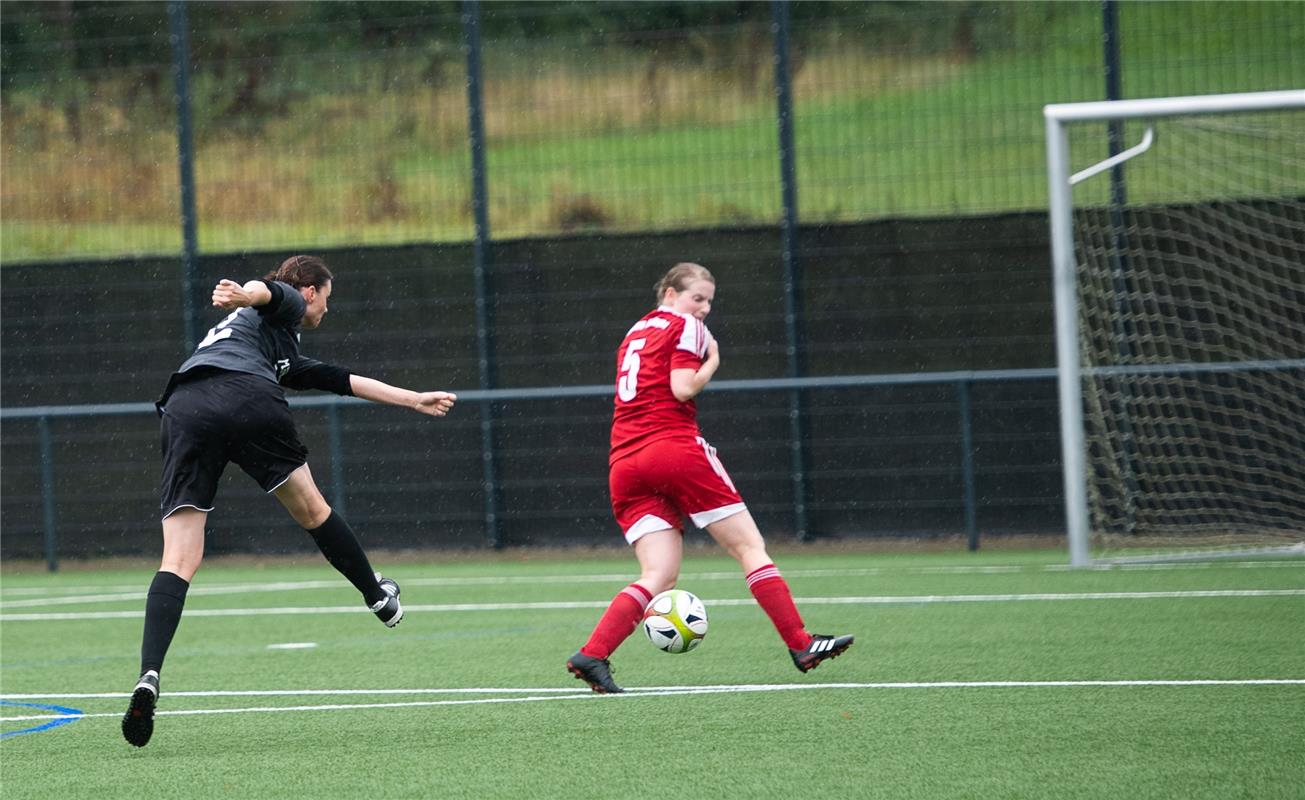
x: 74, y: 714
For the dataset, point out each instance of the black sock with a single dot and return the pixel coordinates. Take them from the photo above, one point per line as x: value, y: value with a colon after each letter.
x: 338, y: 543
x: 163, y: 606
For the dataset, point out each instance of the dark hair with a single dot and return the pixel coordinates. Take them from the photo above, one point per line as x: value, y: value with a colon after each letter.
x: 301, y: 271
x: 679, y: 277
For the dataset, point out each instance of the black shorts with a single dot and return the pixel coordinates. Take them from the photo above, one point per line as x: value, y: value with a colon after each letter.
x: 217, y: 417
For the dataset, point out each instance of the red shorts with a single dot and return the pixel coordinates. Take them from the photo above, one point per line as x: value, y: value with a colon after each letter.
x: 653, y: 487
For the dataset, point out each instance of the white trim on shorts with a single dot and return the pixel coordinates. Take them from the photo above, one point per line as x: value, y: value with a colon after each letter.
x: 648, y: 523
x: 704, y: 518
x: 187, y: 505
x: 286, y: 479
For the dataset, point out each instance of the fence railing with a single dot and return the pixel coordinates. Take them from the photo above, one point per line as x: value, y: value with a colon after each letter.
x: 960, y: 381
x: 175, y: 128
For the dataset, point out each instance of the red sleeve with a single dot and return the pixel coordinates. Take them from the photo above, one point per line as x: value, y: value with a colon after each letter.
x: 683, y: 360
x: 690, y: 337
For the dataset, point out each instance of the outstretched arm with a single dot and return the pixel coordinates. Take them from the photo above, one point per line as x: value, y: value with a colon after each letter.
x: 229, y: 295
x: 435, y: 404
x: 687, y: 383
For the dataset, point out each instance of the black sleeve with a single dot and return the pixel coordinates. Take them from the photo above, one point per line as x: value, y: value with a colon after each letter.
x: 286, y: 307
x: 308, y: 373
x: 278, y: 292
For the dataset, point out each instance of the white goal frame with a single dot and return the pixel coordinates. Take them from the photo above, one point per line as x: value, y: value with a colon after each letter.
x: 1064, y: 265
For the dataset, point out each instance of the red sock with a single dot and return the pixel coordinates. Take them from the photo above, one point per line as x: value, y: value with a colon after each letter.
x: 618, y: 621
x: 776, y: 600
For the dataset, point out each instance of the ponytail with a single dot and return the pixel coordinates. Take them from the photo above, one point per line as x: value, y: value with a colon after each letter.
x: 302, y: 271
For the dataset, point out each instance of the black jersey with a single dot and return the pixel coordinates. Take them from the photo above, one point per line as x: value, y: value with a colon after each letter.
x: 263, y: 341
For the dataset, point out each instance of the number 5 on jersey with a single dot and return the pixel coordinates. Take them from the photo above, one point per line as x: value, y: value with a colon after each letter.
x: 628, y: 380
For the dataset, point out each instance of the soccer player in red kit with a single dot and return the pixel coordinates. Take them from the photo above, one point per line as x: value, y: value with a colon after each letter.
x: 661, y: 469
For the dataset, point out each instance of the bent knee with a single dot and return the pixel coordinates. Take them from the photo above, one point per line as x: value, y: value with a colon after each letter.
x: 313, y: 516
x: 658, y: 581
x: 183, y: 567
x: 310, y: 509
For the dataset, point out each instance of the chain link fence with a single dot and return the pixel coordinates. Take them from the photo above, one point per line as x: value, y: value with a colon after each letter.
x: 344, y: 125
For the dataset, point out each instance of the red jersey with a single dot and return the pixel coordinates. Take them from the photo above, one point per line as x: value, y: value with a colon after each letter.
x: 646, y: 409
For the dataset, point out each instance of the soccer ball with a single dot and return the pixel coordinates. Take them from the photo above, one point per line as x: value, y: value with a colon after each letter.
x: 675, y: 621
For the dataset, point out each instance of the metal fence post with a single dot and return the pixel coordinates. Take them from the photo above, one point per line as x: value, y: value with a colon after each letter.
x: 967, y: 465
x: 48, y: 519
x: 795, y: 367
x: 337, y: 457
x: 482, y: 258
x: 192, y: 301
x: 1121, y: 270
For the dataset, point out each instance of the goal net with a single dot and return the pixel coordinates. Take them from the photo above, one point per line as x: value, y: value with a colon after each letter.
x: 1180, y: 293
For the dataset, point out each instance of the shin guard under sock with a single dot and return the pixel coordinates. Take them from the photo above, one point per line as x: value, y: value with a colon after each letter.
x: 163, y: 605
x: 773, y: 595
x: 618, y: 621
x: 338, y: 543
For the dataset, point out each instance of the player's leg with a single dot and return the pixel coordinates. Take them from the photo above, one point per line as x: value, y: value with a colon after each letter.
x: 192, y: 464
x: 709, y: 497
x: 338, y: 543
x: 649, y: 523
x: 266, y: 445
x: 739, y: 535
x: 183, y: 549
x: 707, y: 494
x: 659, y: 554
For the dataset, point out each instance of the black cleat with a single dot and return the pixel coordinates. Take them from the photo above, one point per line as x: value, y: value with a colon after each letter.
x: 821, y: 647
x: 597, y: 672
x: 388, y: 609
x: 138, y: 722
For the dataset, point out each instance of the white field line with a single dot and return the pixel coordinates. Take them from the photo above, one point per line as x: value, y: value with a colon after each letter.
x: 38, y: 597
x: 296, y: 693
x: 645, y: 689
x: 540, y: 695
x: 138, y: 592
x: 593, y: 604
x: 45, y: 596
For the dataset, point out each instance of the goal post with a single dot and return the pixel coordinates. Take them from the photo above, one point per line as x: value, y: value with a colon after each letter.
x: 1179, y: 287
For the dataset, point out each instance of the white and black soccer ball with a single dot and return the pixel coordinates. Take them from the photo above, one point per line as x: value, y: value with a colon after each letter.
x: 675, y: 621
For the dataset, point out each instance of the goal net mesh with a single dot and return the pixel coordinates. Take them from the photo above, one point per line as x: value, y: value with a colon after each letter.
x: 1191, y: 265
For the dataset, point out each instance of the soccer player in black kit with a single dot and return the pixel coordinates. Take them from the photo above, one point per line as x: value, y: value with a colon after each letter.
x: 227, y: 404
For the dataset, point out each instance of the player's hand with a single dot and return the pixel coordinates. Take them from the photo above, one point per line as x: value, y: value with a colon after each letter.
x: 229, y: 295
x: 436, y: 404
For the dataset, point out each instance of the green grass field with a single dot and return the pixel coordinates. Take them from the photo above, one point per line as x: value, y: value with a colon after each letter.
x: 990, y: 675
